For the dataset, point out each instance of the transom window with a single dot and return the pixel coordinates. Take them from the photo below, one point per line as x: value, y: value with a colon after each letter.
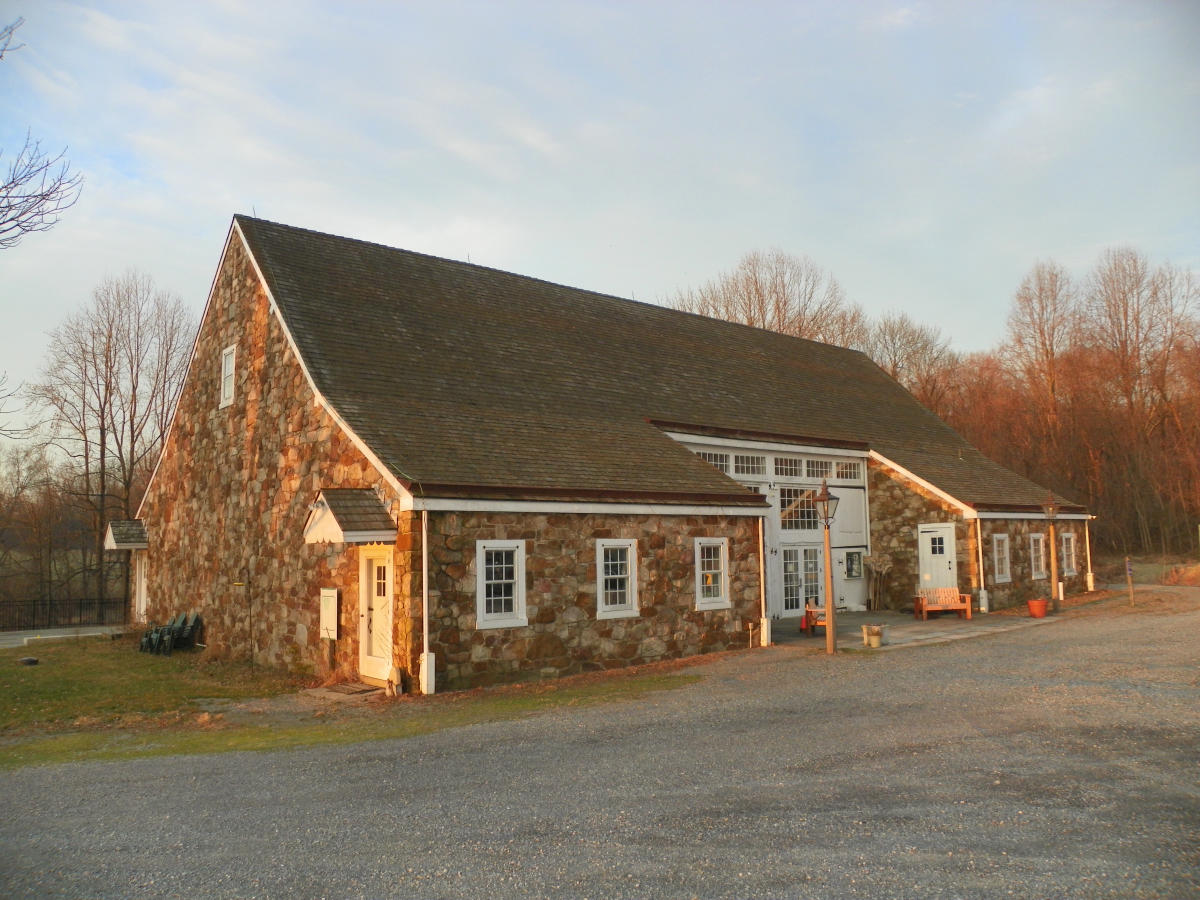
x: 789, y: 466
x: 818, y: 468
x: 712, y: 575
x: 500, y: 584
x: 1037, y: 555
x: 1000, y: 556
x: 796, y: 509
x: 849, y: 471
x: 749, y: 465
x: 228, y: 356
x: 616, y: 579
x: 720, y: 460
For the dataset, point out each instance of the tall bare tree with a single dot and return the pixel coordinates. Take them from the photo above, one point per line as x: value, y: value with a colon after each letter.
x: 7, y: 396
x: 779, y: 292
x: 38, y: 186
x: 112, y: 374
x: 917, y: 356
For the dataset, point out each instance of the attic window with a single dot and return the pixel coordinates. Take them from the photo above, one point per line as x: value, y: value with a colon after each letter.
x: 719, y: 460
x: 749, y: 465
x: 849, y: 471
x: 818, y: 468
x: 228, y: 356
x: 789, y: 466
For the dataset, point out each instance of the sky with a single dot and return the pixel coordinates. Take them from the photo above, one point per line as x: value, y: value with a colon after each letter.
x: 926, y: 154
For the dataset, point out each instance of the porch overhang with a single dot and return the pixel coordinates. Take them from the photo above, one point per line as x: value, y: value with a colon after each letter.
x: 349, y: 516
x: 126, y: 534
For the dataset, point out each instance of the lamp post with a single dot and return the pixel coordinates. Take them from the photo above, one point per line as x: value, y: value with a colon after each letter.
x: 1050, y: 508
x: 825, y: 504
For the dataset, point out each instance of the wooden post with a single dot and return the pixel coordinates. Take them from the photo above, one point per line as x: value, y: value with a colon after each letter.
x: 830, y: 603
x: 1129, y: 578
x: 1054, y: 570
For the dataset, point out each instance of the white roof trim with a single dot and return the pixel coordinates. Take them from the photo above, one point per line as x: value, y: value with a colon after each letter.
x: 435, y: 504
x: 1032, y: 515
x: 967, y: 511
x: 742, y: 444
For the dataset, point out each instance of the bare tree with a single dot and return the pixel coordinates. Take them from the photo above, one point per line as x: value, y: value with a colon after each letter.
x: 917, y: 356
x: 778, y: 292
x: 38, y: 186
x: 111, y: 378
x: 7, y: 395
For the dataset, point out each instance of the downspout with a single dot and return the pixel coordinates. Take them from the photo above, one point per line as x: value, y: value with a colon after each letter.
x: 1087, y: 543
x: 427, y: 660
x: 983, y: 594
x: 764, y: 622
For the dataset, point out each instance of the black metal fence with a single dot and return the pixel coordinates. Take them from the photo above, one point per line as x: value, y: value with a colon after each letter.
x: 26, y: 615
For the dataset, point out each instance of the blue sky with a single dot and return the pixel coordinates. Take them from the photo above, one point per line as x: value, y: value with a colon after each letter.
x: 927, y: 154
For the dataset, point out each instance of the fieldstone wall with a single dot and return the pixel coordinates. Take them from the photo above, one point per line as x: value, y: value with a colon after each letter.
x: 226, y: 509
x: 1021, y: 586
x: 898, y: 506
x: 564, y: 635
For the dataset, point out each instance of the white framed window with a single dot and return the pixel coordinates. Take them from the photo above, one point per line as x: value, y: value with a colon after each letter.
x: 712, y: 573
x: 854, y: 564
x: 1068, y: 553
x: 789, y: 466
x: 228, y: 358
x: 616, y: 579
x: 1001, y: 559
x: 849, y: 471
x: 818, y: 468
x: 500, y: 584
x: 1037, y: 555
x: 749, y: 465
x: 796, y: 509
x: 720, y: 460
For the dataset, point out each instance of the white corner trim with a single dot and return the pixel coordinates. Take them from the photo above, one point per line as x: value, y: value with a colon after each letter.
x: 967, y: 511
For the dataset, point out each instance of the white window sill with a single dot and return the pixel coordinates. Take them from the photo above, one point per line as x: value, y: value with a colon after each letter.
x: 714, y: 604
x: 617, y: 613
x: 512, y: 622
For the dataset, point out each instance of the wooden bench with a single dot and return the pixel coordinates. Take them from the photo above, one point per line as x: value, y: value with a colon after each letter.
x: 938, y: 599
x: 814, y: 618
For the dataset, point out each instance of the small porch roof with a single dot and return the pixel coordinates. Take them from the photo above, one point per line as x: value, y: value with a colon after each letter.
x: 349, y: 516
x: 126, y: 534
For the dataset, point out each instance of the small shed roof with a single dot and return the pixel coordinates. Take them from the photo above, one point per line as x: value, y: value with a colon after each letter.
x: 126, y: 534
x: 349, y: 516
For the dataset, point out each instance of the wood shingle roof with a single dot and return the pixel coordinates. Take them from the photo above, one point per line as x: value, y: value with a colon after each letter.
x: 469, y: 381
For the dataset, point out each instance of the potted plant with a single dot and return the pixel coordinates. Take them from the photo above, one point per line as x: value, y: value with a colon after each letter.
x: 1037, y: 607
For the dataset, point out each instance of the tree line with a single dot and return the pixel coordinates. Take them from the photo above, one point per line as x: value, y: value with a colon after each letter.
x: 1093, y: 391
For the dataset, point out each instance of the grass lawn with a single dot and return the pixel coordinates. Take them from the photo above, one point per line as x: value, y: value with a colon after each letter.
x: 100, y: 681
x: 99, y: 699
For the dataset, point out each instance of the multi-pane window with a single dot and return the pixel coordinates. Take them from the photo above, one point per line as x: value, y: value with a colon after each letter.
x: 796, y: 509
x: 812, y: 577
x: 749, y: 465
x: 500, y: 583
x: 1037, y: 555
x: 616, y: 579
x: 1068, y: 553
x: 720, y: 460
x: 937, y: 546
x: 712, y: 576
x: 818, y: 468
x: 228, y: 355
x: 789, y: 466
x: 854, y: 564
x: 1000, y: 557
x: 849, y: 471
x: 793, y: 582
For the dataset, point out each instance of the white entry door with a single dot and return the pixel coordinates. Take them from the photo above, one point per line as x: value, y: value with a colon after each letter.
x: 937, y: 556
x: 139, y: 585
x: 375, y: 614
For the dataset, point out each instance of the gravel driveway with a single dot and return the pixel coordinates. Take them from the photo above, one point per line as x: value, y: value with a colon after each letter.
x: 1061, y: 761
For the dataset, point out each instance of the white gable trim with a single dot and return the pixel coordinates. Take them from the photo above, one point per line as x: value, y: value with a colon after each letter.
x: 967, y: 511
x: 744, y: 444
x: 319, y: 398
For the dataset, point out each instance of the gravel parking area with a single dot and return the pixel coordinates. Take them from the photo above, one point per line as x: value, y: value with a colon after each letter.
x: 1044, y: 762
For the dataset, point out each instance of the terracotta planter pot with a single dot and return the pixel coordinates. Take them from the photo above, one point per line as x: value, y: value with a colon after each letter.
x: 1037, y: 608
